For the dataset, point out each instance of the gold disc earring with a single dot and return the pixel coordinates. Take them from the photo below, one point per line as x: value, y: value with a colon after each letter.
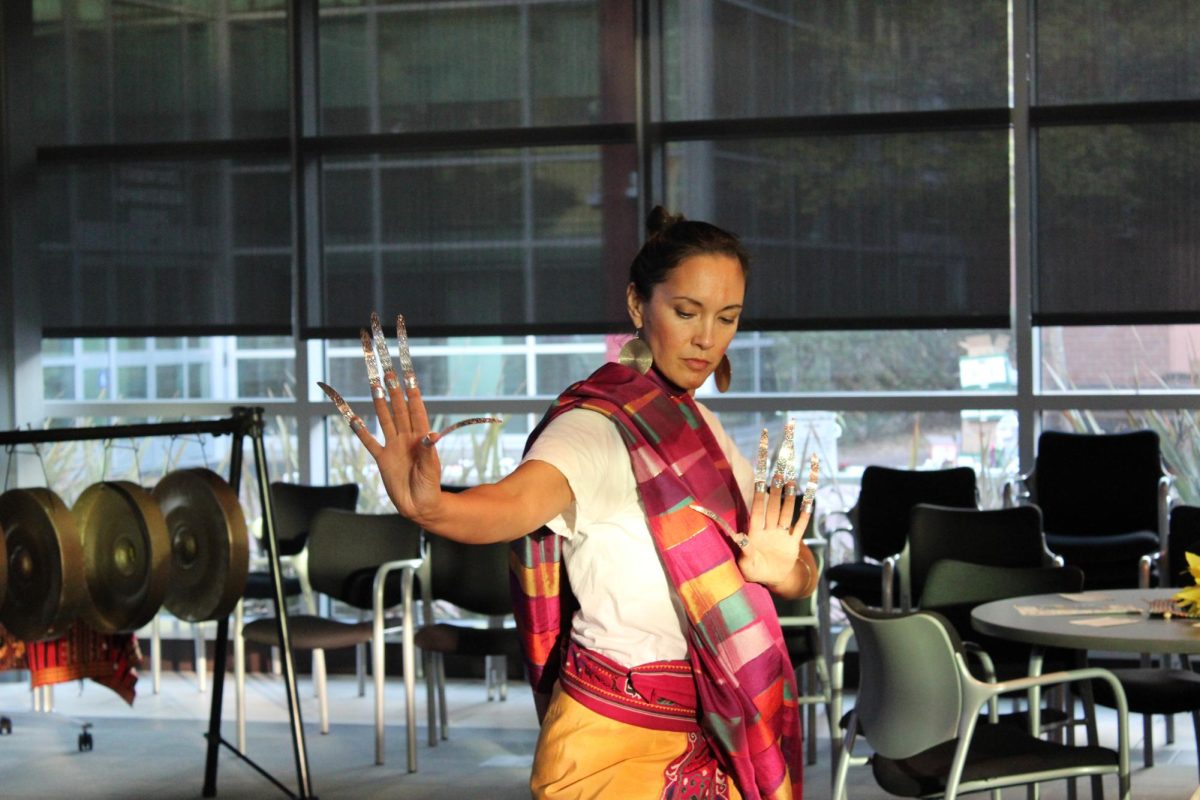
x: 723, y: 375
x: 636, y: 354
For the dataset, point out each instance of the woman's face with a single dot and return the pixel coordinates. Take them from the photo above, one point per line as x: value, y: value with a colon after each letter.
x: 691, y: 317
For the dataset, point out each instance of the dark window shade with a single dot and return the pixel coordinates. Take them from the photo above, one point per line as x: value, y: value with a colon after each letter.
x: 512, y: 241
x: 860, y: 231
x: 150, y: 72
x: 728, y: 60
x: 1114, y: 51
x: 407, y: 68
x: 197, y: 248
x: 1118, y: 226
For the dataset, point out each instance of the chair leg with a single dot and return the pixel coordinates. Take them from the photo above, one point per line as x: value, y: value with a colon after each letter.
x: 239, y: 674
x: 322, y: 691
x: 201, y: 657
x: 156, y: 653
x: 810, y: 731
x: 502, y: 677
x: 377, y: 654
x: 1148, y: 740
x: 1196, y: 731
x: 443, y: 712
x: 431, y: 703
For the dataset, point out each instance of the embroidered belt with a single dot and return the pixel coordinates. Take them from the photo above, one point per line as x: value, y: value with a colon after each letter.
x: 660, y: 694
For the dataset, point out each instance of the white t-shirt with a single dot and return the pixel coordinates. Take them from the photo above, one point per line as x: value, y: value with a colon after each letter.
x: 628, y: 609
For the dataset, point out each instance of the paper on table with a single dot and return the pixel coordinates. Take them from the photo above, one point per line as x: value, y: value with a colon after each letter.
x: 1072, y: 611
x: 1086, y: 597
x: 1104, y: 622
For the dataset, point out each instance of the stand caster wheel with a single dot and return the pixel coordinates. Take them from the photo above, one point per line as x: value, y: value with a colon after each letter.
x: 85, y: 738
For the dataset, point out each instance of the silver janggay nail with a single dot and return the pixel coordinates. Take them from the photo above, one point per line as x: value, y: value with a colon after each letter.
x: 787, y: 451
x: 810, y: 489
x: 352, y: 419
x: 433, y: 437
x: 406, y: 364
x: 785, y: 463
x: 372, y: 367
x: 741, y: 538
x: 381, y: 343
x: 760, y: 466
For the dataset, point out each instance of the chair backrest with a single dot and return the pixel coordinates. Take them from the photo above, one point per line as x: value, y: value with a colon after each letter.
x: 910, y: 693
x: 888, y: 494
x: 961, y: 583
x: 345, y: 549
x: 953, y: 588
x: 1005, y: 537
x: 473, y: 577
x: 294, y: 505
x: 1097, y: 484
x: 1184, y: 537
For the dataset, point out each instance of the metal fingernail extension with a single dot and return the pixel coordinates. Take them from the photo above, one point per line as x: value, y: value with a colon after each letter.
x: 385, y: 357
x: 741, y: 538
x: 352, y: 419
x: 372, y: 367
x: 785, y: 464
x: 760, y: 466
x: 406, y: 364
x: 433, y: 438
x: 810, y: 489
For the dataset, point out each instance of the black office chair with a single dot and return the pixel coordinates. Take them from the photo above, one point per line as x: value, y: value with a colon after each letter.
x: 879, y: 524
x: 921, y: 717
x: 369, y: 562
x: 293, y: 507
x: 473, y: 578
x: 1006, y: 537
x: 1162, y: 689
x: 1104, y: 501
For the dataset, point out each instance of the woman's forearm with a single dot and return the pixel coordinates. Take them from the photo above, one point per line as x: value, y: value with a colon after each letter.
x: 519, y: 504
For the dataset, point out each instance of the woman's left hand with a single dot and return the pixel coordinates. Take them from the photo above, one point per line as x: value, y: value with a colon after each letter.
x: 774, y: 553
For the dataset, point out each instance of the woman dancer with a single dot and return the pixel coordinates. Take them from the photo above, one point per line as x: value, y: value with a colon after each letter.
x: 668, y: 676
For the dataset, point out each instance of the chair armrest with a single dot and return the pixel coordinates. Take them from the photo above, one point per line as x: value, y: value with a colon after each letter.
x: 410, y: 567
x: 978, y: 693
x: 1165, y: 484
x: 989, y: 675
x: 837, y: 674
x: 1064, y: 677
x: 886, y: 581
x: 1145, y: 564
x: 1016, y: 490
x: 985, y: 660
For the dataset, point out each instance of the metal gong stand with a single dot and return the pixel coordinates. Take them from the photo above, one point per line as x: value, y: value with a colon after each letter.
x: 245, y: 422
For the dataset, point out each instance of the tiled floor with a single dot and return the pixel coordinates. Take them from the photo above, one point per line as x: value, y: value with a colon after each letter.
x: 156, y: 748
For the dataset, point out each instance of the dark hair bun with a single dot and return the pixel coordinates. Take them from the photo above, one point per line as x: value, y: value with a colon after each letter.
x: 660, y: 220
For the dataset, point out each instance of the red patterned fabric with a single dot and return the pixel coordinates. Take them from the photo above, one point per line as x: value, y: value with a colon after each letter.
x: 12, y: 651
x: 109, y: 659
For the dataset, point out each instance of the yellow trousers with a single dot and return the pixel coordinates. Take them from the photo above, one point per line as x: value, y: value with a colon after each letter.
x: 583, y: 755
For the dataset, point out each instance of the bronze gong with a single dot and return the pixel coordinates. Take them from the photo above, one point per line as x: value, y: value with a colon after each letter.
x: 126, y: 555
x: 210, y: 551
x: 46, y: 588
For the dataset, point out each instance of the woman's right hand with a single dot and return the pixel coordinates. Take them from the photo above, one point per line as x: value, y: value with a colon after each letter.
x: 407, y: 458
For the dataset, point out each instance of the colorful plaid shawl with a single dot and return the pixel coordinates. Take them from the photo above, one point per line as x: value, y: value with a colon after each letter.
x: 745, y: 683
